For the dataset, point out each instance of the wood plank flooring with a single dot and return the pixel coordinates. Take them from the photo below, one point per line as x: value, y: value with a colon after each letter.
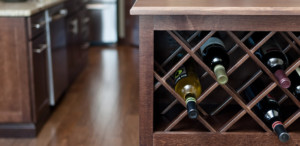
x: 99, y: 109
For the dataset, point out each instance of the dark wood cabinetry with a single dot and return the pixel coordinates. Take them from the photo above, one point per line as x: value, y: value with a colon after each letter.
x: 162, y: 123
x: 14, y: 73
x: 59, y: 51
x: 72, y: 45
x: 24, y: 60
x: 77, y: 37
x: 24, y: 94
x: 38, y: 50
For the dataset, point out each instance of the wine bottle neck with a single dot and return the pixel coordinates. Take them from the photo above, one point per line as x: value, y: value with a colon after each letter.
x: 279, y: 129
x: 190, y: 101
x: 190, y: 98
x: 220, y: 73
x: 283, y: 80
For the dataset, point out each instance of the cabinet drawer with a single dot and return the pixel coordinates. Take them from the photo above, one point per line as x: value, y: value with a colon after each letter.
x: 36, y: 24
x: 39, y: 45
x: 40, y: 80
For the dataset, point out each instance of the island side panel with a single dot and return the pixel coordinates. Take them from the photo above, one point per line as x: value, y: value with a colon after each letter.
x: 14, y: 73
x: 146, y: 59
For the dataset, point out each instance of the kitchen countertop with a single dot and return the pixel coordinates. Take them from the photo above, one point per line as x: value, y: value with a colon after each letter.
x: 25, y: 9
x: 216, y: 7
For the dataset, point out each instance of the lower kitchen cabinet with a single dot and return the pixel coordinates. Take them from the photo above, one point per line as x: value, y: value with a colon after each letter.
x: 24, y: 61
x: 24, y: 96
x: 78, y: 37
x: 38, y: 49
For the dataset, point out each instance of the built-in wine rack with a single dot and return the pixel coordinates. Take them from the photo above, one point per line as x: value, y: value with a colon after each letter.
x: 230, y: 112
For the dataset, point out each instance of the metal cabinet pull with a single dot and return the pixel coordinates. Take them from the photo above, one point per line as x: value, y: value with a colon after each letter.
x: 85, y: 46
x: 42, y: 48
x: 39, y: 25
x: 86, y: 20
x: 74, y: 26
x: 62, y: 13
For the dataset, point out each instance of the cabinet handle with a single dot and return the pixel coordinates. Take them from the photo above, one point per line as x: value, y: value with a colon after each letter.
x: 39, y: 25
x: 74, y: 25
x: 42, y: 48
x: 85, y: 46
x: 86, y: 20
x: 62, y: 13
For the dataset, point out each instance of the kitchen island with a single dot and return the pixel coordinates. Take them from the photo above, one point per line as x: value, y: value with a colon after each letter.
x: 232, y: 18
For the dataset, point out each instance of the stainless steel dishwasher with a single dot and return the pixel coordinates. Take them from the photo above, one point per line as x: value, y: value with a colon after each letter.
x: 103, y: 21
x: 57, y: 54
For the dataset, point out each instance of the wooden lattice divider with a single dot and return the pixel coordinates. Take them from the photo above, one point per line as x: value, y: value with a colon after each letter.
x: 171, y: 90
x: 229, y: 72
x: 193, y: 36
x: 257, y: 74
x: 227, y: 88
x: 264, y: 68
x: 234, y: 95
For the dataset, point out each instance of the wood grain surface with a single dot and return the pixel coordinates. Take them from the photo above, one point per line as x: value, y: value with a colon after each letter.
x: 14, y: 72
x: 216, y: 7
x: 212, y: 139
x: 100, y: 108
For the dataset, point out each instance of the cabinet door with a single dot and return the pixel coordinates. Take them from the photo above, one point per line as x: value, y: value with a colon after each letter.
x: 84, y: 39
x: 58, y: 52
x: 41, y: 92
x: 73, y: 45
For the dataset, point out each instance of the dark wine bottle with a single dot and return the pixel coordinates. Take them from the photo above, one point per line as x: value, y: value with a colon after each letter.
x: 215, y: 56
x: 276, y: 61
x: 295, y: 86
x: 267, y: 110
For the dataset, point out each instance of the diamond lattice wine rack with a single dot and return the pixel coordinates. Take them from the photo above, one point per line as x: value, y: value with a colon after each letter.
x: 222, y: 107
x: 225, y: 117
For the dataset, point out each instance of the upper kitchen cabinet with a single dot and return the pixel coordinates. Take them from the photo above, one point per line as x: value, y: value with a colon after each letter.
x: 38, y: 42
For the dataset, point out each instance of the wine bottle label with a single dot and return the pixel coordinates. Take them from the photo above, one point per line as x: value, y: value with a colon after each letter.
x: 271, y: 114
x: 298, y: 71
x: 211, y: 41
x: 276, y: 123
x: 190, y: 99
x: 272, y: 62
x: 270, y: 48
x: 297, y: 90
x: 180, y: 73
x: 270, y: 98
x: 258, y: 54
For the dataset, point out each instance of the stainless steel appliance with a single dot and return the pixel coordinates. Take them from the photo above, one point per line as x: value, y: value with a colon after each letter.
x: 103, y: 21
x: 57, y: 53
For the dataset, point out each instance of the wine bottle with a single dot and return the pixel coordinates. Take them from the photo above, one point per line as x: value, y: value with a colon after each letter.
x: 295, y: 86
x: 215, y: 56
x: 276, y: 61
x: 188, y: 86
x: 267, y: 110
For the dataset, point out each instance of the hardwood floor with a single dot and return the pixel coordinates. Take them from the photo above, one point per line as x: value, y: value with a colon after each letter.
x: 99, y: 109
